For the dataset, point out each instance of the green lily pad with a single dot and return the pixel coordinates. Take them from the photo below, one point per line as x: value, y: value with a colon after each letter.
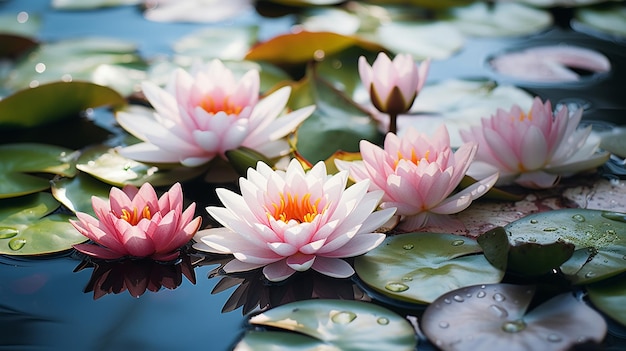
x: 75, y: 193
x: 436, y: 40
x: 599, y: 239
x: 609, y: 20
x: 615, y: 143
x: 610, y: 297
x: 226, y: 43
x: 494, y: 317
x: 20, y: 159
x: 12, y: 46
x: 55, y: 101
x: 91, y: 4
x: 419, y: 267
x: 28, y: 228
x: 104, y: 164
x: 331, y: 325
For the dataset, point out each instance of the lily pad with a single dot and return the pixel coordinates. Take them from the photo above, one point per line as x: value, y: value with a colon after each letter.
x: 493, y: 317
x: 18, y: 160
x: 615, y: 143
x: 610, y: 297
x: 55, y: 101
x: 331, y: 325
x: 226, y: 43
x: 435, y: 40
x: 91, y: 4
x: 28, y: 228
x: 12, y: 46
x: 75, y: 193
x: 419, y: 267
x: 599, y: 239
x: 105, y: 164
x: 608, y: 20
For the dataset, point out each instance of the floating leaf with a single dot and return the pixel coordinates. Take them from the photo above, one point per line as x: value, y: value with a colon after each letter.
x: 91, y: 4
x: 330, y: 20
x: 609, y: 20
x: 105, y: 164
x: 493, y: 317
x: 499, y: 19
x: 304, y: 46
x: 75, y: 193
x: 226, y: 43
x: 55, y: 101
x: 20, y: 159
x: 435, y: 40
x: 550, y: 63
x: 615, y: 143
x: 419, y: 267
x: 30, y: 229
x: 599, y: 238
x: 196, y: 11
x: 12, y: 46
x: 610, y: 297
x: 331, y: 325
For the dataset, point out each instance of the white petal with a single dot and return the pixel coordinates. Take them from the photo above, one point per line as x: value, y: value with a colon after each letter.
x: 333, y: 267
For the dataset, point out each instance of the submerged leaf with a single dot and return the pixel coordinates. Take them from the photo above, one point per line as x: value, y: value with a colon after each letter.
x: 610, y: 297
x: 28, y: 228
x: 493, y: 317
x: 333, y: 325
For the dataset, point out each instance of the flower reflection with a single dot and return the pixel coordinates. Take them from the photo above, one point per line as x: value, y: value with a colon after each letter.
x: 535, y: 148
x: 254, y: 292
x: 135, y: 276
x: 418, y: 175
x: 202, y: 114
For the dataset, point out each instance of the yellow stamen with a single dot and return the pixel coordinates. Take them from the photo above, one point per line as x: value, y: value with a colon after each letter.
x: 134, y: 217
x: 414, y: 158
x: 299, y: 210
x: 210, y: 105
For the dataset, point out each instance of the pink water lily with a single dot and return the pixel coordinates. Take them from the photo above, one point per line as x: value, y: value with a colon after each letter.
x: 292, y: 220
x: 135, y: 222
x: 393, y: 85
x: 419, y: 176
x: 202, y: 114
x: 533, y: 149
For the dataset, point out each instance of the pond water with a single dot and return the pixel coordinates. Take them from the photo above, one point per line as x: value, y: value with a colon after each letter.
x: 49, y: 303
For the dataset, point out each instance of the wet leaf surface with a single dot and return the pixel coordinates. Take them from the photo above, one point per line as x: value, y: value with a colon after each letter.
x: 610, y: 297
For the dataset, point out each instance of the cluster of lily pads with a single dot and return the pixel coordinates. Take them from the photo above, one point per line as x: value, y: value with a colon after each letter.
x: 547, y: 281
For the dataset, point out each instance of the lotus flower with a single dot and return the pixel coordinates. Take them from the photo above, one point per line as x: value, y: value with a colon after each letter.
x: 201, y: 116
x: 393, y: 85
x: 418, y: 175
x: 533, y: 149
x: 288, y: 221
x: 135, y: 222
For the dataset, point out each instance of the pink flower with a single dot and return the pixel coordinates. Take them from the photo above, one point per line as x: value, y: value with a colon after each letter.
x: 533, y: 149
x: 288, y: 221
x: 419, y: 176
x: 393, y: 85
x: 201, y: 116
x: 135, y: 222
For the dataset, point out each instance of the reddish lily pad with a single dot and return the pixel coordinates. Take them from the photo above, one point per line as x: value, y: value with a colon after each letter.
x: 28, y: 228
x: 419, y: 267
x: 494, y: 317
x: 331, y: 325
x: 55, y: 101
x: 18, y: 160
x: 12, y: 46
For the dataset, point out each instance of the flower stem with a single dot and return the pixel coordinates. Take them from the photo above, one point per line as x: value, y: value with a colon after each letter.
x: 393, y: 126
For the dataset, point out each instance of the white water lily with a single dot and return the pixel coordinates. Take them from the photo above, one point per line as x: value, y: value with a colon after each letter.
x: 202, y: 114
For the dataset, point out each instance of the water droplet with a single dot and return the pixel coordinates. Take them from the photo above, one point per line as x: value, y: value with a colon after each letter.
x: 17, y: 243
x: 533, y: 221
x: 8, y: 232
x: 444, y: 324
x: 382, y: 321
x: 498, y: 311
x: 550, y: 229
x: 458, y: 298
x: 590, y: 274
x: 458, y: 242
x: 616, y: 216
x: 514, y: 326
x: 554, y: 338
x: 481, y: 294
x: 532, y: 240
x: 408, y: 246
x: 407, y: 278
x: 610, y: 232
x: 343, y: 317
x: 447, y: 300
x: 519, y: 239
x: 396, y: 287
x: 624, y: 257
x: 127, y: 166
x: 578, y: 217
x: 498, y: 297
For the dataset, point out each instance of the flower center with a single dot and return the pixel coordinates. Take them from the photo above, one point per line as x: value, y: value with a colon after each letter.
x: 212, y: 106
x: 523, y: 116
x: 290, y: 207
x: 414, y: 158
x: 134, y: 217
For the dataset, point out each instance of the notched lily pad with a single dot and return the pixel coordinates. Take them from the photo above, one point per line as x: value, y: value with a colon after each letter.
x: 75, y: 193
x: 21, y: 159
x: 331, y: 325
x: 598, y: 237
x: 493, y: 317
x: 419, y: 267
x: 28, y: 228
x: 105, y: 164
x: 54, y: 101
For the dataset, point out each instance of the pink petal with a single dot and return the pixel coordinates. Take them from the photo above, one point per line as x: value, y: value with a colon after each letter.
x: 358, y: 245
x: 278, y: 271
x: 98, y: 251
x: 300, y: 262
x: 333, y: 267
